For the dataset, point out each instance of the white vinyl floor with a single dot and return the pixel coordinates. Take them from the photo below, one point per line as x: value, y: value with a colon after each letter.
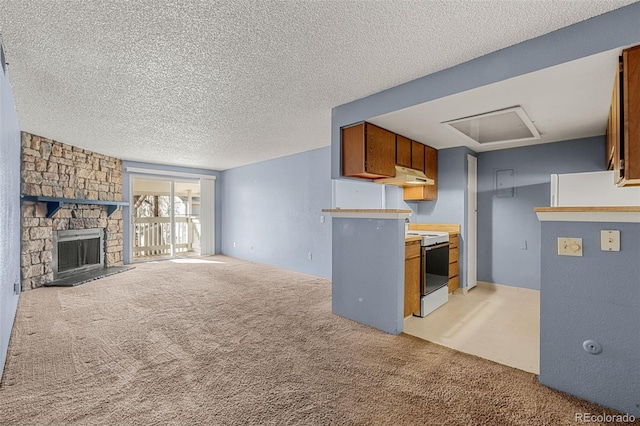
x: 492, y: 321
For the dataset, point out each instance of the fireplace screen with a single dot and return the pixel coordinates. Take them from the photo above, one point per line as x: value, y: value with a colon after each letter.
x: 76, y: 251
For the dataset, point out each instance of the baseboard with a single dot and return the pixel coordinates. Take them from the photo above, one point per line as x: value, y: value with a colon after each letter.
x: 495, y: 287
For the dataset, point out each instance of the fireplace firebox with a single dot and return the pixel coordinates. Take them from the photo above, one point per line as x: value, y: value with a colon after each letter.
x: 76, y: 251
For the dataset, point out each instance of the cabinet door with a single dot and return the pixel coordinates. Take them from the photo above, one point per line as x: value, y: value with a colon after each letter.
x: 353, y: 151
x: 454, y: 284
x: 381, y: 151
x: 411, y: 277
x: 631, y: 111
x: 412, y: 286
x: 403, y: 151
x: 454, y: 269
x: 428, y: 192
x: 431, y: 171
x: 610, y: 151
x: 616, y: 131
x: 417, y: 156
x: 368, y: 152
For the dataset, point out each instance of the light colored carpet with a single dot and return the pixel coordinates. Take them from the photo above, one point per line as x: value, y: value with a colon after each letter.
x: 216, y: 340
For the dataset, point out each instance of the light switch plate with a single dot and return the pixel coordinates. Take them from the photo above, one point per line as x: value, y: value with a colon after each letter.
x: 609, y: 240
x: 569, y: 246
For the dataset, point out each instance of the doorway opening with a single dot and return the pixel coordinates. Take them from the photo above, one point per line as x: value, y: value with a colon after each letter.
x: 496, y: 322
x: 165, y: 214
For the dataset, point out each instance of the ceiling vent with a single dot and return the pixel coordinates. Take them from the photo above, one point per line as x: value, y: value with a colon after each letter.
x: 505, y: 125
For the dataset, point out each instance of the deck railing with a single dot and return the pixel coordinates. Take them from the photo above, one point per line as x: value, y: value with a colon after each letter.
x: 153, y: 236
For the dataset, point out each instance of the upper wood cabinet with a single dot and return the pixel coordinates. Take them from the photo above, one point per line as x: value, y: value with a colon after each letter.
x: 613, y: 138
x: 409, y: 153
x: 371, y: 152
x: 417, y: 156
x: 403, y: 151
x: 368, y: 151
x: 623, y: 126
x: 428, y: 192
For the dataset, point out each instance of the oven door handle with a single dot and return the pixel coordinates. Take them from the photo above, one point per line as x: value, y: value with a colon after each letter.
x: 437, y: 246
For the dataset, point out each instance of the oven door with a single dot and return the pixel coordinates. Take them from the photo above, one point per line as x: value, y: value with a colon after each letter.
x: 435, y: 268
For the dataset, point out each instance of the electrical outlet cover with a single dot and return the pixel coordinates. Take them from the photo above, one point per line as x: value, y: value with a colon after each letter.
x: 569, y: 246
x: 609, y: 240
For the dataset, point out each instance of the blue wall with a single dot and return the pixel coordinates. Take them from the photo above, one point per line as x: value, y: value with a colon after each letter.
x: 451, y: 205
x: 594, y: 297
x: 508, y: 229
x: 271, y: 211
x: 9, y: 212
x: 168, y: 169
x: 368, y: 272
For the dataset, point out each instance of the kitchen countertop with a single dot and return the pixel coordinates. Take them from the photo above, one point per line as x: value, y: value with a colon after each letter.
x: 397, y: 214
x: 589, y: 214
x: 618, y: 209
x: 410, y: 238
x: 451, y: 228
x: 366, y: 210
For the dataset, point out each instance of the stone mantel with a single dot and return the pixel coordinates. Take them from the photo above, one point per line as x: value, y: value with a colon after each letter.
x: 54, y: 204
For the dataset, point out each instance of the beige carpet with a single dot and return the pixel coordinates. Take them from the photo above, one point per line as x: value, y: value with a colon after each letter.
x: 216, y: 340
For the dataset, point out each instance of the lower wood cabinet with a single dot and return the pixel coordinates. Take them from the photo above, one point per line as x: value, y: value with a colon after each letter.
x: 411, y: 277
x: 454, y: 263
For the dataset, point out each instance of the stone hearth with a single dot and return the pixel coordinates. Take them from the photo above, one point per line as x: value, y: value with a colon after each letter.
x: 54, y: 169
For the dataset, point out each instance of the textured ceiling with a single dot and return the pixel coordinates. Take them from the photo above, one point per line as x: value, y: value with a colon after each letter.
x: 222, y: 84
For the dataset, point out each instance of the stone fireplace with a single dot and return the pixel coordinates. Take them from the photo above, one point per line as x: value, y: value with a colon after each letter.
x: 54, y: 169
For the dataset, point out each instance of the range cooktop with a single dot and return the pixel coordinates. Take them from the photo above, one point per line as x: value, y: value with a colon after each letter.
x: 430, y: 238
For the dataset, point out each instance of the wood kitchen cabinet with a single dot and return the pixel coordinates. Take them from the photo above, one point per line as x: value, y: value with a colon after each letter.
x: 417, y: 156
x: 623, y: 126
x: 454, y: 263
x: 411, y: 277
x: 613, y: 127
x: 428, y: 192
x: 371, y: 152
x: 403, y: 151
x: 368, y: 151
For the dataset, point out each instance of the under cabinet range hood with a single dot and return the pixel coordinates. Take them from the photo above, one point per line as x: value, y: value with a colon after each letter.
x: 406, y: 177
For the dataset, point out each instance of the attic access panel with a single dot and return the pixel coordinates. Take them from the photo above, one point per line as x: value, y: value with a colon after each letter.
x: 506, y: 125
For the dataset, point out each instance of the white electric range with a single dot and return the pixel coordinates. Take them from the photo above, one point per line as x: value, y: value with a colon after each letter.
x: 434, y: 261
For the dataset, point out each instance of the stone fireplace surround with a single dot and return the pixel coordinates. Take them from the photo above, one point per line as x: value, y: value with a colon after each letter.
x: 54, y: 169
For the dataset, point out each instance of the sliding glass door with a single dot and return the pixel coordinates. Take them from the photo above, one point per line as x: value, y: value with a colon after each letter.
x: 165, y: 215
x: 186, y: 219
